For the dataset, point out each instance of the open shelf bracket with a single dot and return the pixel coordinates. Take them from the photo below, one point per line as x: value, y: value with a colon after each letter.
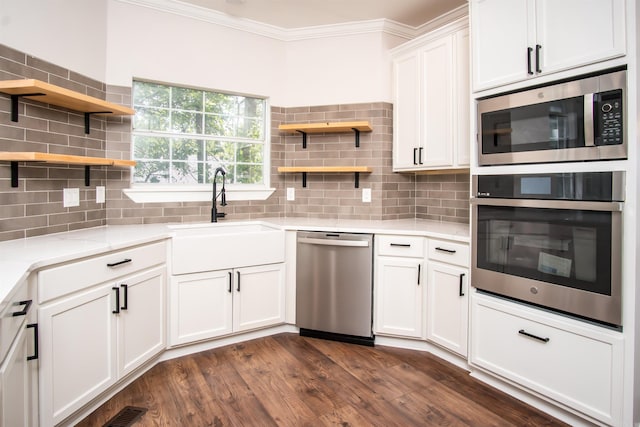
x: 87, y: 119
x: 14, y: 104
x: 15, y: 175
x: 356, y: 179
x: 357, y: 142
x: 304, y: 139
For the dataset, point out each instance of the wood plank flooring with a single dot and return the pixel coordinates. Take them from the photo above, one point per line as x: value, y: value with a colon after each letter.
x: 288, y: 380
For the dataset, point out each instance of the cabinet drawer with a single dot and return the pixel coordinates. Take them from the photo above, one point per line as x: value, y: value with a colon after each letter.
x: 577, y: 366
x: 12, y: 319
x: 65, y: 279
x: 404, y: 246
x: 449, y: 252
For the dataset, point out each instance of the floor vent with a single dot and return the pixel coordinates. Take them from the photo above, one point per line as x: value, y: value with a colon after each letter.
x: 127, y: 417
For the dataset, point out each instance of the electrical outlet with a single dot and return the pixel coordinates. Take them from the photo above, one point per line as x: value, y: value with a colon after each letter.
x: 366, y: 195
x: 291, y: 194
x: 100, y: 194
x: 70, y: 197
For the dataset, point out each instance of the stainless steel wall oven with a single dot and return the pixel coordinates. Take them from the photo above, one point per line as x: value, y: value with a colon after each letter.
x: 576, y: 120
x: 551, y: 239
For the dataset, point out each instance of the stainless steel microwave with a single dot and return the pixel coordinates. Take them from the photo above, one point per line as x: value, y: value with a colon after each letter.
x: 577, y: 120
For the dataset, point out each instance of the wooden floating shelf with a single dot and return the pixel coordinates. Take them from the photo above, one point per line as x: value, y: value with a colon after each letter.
x: 326, y: 127
x: 64, y: 159
x: 356, y: 170
x: 55, y: 95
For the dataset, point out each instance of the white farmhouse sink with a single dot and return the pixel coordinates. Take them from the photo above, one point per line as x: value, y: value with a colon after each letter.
x: 217, y: 246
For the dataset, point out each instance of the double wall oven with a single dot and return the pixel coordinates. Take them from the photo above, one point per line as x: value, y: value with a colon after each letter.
x: 552, y: 239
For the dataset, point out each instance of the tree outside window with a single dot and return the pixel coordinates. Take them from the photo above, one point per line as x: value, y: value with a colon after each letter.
x: 181, y: 135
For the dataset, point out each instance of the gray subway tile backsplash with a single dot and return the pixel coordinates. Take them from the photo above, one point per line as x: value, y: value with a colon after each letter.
x: 35, y: 207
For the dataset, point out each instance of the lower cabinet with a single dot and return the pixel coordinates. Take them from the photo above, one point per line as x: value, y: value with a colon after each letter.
x: 215, y: 303
x: 15, y: 393
x: 448, y: 306
x: 18, y: 369
x: 562, y: 360
x: 91, y: 338
x: 399, y: 289
x: 399, y: 305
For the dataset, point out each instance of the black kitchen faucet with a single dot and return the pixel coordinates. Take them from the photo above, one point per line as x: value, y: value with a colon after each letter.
x: 223, y: 198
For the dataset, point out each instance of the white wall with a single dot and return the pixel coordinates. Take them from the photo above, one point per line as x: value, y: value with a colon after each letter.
x: 150, y: 44
x: 114, y: 41
x: 339, y: 70
x: 68, y: 33
x: 156, y: 45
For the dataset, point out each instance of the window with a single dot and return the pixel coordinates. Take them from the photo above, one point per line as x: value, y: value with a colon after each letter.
x: 181, y: 135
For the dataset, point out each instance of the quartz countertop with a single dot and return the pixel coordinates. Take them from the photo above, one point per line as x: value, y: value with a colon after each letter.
x: 18, y: 258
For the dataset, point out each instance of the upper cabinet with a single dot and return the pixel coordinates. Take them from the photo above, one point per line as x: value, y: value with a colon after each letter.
x: 515, y: 40
x: 431, y: 101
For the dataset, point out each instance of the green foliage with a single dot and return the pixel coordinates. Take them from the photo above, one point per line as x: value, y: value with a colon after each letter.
x: 182, y: 135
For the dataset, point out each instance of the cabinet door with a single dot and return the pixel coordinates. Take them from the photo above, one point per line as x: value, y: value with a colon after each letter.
x: 78, y: 351
x: 406, y: 111
x: 462, y: 98
x: 447, y: 306
x: 14, y: 384
x: 399, y: 297
x: 578, y: 32
x: 437, y: 103
x: 141, y: 321
x: 501, y: 34
x: 201, y: 306
x: 258, y: 298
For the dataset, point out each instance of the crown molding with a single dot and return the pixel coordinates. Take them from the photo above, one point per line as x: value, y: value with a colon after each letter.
x: 442, y: 20
x: 212, y: 16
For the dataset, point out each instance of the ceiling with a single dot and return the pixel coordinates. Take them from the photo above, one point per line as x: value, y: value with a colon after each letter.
x: 290, y: 14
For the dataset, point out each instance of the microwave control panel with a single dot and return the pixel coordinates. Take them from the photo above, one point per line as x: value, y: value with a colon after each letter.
x: 608, y: 114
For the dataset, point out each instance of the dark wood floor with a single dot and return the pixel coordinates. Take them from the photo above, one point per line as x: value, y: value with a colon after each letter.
x: 288, y: 380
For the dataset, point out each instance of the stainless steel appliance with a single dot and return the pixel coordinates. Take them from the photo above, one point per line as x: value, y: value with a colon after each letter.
x: 334, y: 287
x: 571, y: 121
x: 551, y: 239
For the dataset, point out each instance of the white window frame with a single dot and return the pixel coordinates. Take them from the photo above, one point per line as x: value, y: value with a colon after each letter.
x: 166, y: 193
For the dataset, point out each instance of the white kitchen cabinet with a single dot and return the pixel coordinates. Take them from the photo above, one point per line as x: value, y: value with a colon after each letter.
x: 216, y: 303
x: 514, y: 40
x: 94, y: 336
x: 431, y: 101
x: 568, y: 362
x: 447, y: 295
x: 18, y: 362
x: 399, y: 286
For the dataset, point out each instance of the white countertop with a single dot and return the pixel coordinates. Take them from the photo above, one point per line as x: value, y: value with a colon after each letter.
x: 18, y: 258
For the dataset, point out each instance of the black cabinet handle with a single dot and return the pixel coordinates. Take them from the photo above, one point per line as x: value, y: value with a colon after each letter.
x: 449, y: 251
x: 401, y: 245
x: 420, y: 155
x: 126, y: 296
x: 535, y: 337
x: 230, y: 280
x: 538, y: 69
x: 529, y: 70
x: 124, y: 261
x: 419, y: 269
x: 23, y: 312
x: 461, y: 291
x: 238, y: 288
x: 415, y: 152
x: 34, y: 326
x: 117, y: 310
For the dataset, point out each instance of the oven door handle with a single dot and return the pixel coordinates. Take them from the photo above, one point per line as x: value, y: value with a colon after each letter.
x: 550, y: 204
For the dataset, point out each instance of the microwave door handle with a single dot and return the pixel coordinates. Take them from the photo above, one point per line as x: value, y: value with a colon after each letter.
x: 589, y: 124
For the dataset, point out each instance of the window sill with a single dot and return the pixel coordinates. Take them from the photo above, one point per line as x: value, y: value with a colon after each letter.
x: 166, y: 194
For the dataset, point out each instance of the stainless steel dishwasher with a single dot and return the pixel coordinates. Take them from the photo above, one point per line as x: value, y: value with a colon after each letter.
x: 334, y: 286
